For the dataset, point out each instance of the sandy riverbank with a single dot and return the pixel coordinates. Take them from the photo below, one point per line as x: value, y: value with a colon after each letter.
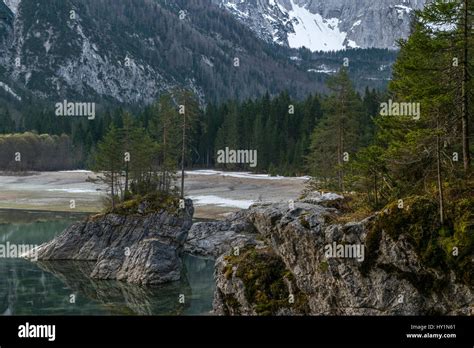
x: 214, y: 193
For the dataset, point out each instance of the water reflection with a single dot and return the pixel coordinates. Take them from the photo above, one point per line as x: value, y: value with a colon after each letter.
x: 45, y: 287
x: 119, y: 297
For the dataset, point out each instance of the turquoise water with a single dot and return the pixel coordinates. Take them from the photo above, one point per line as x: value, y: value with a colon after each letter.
x: 64, y: 288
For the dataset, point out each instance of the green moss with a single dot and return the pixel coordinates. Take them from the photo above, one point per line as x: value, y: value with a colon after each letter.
x: 324, y: 266
x: 264, y: 275
x: 153, y: 202
x: 231, y: 305
x: 462, y: 239
x: 418, y: 219
x: 304, y: 222
x: 434, y: 243
x: 228, y: 271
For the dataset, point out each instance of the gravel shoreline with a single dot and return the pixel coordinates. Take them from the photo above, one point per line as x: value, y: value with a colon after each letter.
x: 215, y: 193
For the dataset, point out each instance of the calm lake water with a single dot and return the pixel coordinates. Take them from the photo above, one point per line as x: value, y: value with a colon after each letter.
x: 46, y: 288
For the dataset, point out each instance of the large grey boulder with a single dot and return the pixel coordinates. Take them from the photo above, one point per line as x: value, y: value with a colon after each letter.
x: 138, y: 248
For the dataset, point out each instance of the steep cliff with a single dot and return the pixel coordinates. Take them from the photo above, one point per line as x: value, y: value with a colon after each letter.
x: 327, y: 25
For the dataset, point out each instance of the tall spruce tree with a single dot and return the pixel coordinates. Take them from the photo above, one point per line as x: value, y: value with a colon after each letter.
x: 108, y: 162
x: 189, y: 112
x: 164, y: 128
x: 449, y: 24
x: 335, y: 138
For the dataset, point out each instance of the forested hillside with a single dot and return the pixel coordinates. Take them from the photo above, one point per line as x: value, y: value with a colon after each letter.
x: 278, y: 127
x: 129, y: 52
x: 335, y: 135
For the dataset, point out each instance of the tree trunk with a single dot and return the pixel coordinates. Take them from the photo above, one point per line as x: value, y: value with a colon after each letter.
x: 183, y: 152
x: 339, y: 158
x: 113, y: 191
x: 163, y: 175
x: 465, y: 78
x: 126, y: 182
x: 438, y: 172
x: 375, y: 190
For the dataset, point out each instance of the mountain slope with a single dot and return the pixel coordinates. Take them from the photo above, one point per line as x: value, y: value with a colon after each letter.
x: 129, y: 51
x: 322, y: 25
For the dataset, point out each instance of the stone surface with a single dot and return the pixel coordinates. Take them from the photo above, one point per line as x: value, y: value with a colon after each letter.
x: 395, y: 283
x: 215, y: 238
x: 142, y: 249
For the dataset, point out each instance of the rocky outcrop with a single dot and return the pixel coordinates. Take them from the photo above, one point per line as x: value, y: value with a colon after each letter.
x: 255, y: 281
x: 332, y: 268
x: 136, y: 248
x: 212, y: 239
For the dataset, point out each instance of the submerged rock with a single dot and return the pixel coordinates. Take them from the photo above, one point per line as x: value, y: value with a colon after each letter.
x: 138, y: 248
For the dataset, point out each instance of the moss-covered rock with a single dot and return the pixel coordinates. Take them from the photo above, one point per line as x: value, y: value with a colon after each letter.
x: 269, y: 286
x: 150, y: 203
x: 444, y: 247
x: 408, y: 255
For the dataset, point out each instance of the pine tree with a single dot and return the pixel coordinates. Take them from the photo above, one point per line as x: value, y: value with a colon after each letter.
x: 370, y: 174
x: 164, y: 129
x: 126, y: 138
x: 143, y: 172
x: 228, y: 134
x: 189, y: 113
x: 335, y: 137
x: 419, y: 152
x: 449, y: 24
x: 7, y: 125
x: 109, y: 162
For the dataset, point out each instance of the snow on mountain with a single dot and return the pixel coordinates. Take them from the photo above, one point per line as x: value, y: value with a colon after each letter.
x: 313, y: 31
x: 327, y: 25
x: 103, y: 55
x: 12, y: 5
x: 7, y: 88
x: 323, y: 69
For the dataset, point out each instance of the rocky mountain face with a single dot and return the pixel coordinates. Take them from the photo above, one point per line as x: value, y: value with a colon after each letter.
x: 128, y: 52
x: 293, y: 266
x: 140, y: 248
x: 322, y: 25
